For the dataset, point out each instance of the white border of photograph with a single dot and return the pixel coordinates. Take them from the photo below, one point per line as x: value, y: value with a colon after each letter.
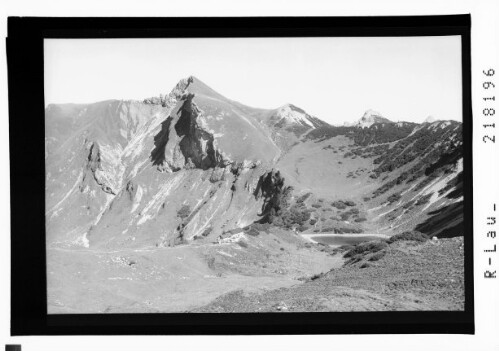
x: 485, y: 46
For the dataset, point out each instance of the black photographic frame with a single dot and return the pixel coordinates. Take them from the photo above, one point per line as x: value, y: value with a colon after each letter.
x: 26, y: 127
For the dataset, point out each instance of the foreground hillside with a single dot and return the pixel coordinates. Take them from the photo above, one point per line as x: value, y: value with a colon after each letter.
x: 180, y: 278
x: 270, y: 271
x: 405, y: 276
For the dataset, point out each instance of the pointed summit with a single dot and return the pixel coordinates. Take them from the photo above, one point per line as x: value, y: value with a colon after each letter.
x: 371, y: 117
x: 292, y: 114
x: 197, y: 87
x: 189, y: 85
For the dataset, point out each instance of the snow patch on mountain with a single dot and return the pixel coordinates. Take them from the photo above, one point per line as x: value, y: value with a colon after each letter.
x: 292, y: 114
x: 137, y: 199
x: 371, y: 117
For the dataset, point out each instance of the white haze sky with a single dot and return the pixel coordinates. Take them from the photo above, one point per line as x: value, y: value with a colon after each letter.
x: 334, y: 79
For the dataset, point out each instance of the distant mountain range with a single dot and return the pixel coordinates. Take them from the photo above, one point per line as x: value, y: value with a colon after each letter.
x: 371, y: 117
x: 194, y: 165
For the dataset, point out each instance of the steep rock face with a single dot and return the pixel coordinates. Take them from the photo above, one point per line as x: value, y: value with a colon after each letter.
x: 94, y: 161
x: 183, y: 142
x: 106, y: 179
x: 237, y: 132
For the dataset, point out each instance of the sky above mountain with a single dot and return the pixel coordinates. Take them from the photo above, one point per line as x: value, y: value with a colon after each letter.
x: 334, y: 79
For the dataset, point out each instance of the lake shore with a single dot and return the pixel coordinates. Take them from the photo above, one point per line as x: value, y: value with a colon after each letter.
x: 335, y: 240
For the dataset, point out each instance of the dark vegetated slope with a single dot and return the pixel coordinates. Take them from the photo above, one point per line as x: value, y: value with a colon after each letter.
x: 381, y: 133
x: 448, y: 158
x: 408, y: 236
x: 429, y: 153
x: 378, y: 133
x: 446, y: 222
x: 328, y: 132
x: 457, y: 185
x: 430, y: 142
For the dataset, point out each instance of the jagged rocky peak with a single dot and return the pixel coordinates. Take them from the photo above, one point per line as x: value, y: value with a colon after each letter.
x: 182, y: 85
x: 371, y: 117
x: 185, y: 143
x: 175, y: 94
x: 199, y: 88
x: 189, y: 85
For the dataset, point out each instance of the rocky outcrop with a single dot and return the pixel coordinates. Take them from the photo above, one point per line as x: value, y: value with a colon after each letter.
x: 271, y: 188
x: 94, y: 157
x: 131, y: 190
x: 184, y: 143
x: 94, y: 165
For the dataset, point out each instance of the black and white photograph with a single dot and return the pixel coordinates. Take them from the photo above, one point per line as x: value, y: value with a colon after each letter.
x: 255, y: 175
x: 260, y: 175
